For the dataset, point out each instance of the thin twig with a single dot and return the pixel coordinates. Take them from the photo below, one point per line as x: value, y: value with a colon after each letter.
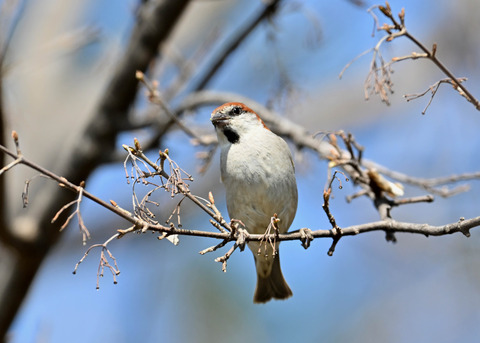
x: 154, y: 97
x: 268, y: 240
x: 267, y: 11
x: 83, y: 229
x: 378, y: 79
x: 174, y: 179
x: 433, y: 89
x: 326, y: 207
x: 240, y: 236
x: 105, y: 255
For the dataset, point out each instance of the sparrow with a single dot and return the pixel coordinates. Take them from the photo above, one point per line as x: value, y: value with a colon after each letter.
x: 259, y: 176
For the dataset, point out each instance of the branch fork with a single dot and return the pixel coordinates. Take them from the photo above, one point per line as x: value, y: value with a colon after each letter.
x: 379, y: 81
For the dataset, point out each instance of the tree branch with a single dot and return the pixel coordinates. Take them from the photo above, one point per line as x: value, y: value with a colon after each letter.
x: 235, y: 40
x: 232, y: 232
x: 395, y: 30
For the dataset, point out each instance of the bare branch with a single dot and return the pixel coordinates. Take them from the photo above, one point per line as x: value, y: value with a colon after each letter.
x: 352, y: 61
x: 269, y: 9
x: 326, y: 207
x: 350, y: 160
x: 269, y: 239
x: 240, y: 237
x: 378, y: 80
x: 326, y: 202
x: 155, y: 98
x: 83, y: 229
x: 414, y: 200
x: 432, y: 89
x: 19, y: 155
x: 105, y: 257
x: 218, y: 216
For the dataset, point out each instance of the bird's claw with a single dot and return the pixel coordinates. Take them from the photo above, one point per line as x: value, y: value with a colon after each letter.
x: 306, y: 237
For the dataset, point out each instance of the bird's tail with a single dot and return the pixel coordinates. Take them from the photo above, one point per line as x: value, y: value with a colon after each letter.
x: 273, y: 285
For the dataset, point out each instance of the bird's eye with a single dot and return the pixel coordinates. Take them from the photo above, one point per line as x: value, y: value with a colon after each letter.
x: 236, y: 110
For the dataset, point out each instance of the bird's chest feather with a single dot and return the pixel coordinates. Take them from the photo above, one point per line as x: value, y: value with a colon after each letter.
x: 259, y: 183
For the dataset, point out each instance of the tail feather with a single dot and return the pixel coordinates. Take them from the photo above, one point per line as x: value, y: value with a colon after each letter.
x: 273, y: 286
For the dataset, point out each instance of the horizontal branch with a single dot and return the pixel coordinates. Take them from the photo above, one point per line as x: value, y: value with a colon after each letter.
x: 462, y: 225
x: 70, y: 186
x: 112, y: 206
x: 233, y: 232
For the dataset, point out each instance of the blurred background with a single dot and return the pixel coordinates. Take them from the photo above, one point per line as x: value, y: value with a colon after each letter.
x: 59, y: 63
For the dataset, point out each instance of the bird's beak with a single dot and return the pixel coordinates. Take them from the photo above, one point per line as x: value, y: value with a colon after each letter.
x: 219, y: 119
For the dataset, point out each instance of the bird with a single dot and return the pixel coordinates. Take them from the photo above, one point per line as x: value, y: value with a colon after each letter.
x: 258, y: 172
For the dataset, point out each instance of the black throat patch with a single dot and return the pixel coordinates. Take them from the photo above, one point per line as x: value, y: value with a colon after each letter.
x: 231, y: 135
